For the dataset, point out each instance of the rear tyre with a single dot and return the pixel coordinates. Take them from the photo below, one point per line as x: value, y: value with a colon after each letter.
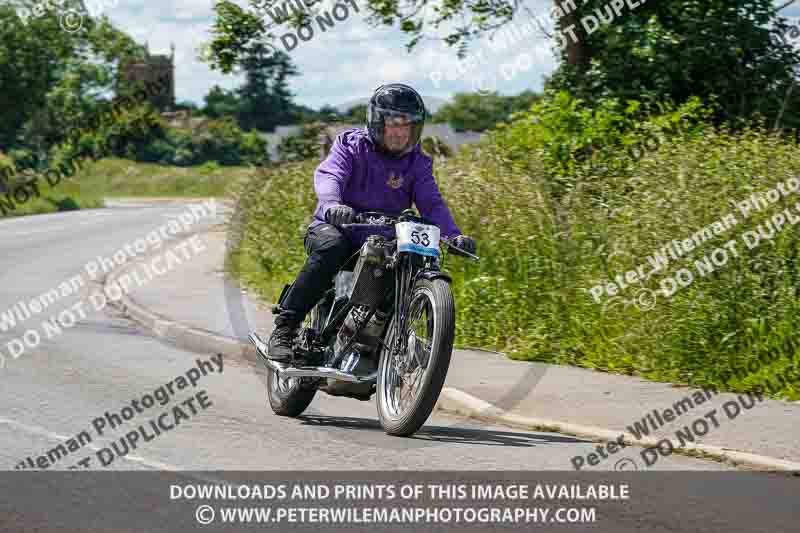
x: 291, y: 396
x: 409, y: 383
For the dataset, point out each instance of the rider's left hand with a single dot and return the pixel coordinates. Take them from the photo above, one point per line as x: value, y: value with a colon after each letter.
x: 465, y: 243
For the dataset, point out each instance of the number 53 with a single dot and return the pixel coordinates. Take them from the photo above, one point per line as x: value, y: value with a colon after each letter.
x: 416, y: 238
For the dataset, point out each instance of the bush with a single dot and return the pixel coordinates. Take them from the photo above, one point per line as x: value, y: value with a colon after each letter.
x: 545, y: 244
x: 7, y: 171
x: 7, y: 166
x: 304, y: 145
x: 157, y: 151
x: 131, y: 133
x: 210, y: 167
x: 434, y: 147
x: 220, y: 141
x: 23, y: 158
x: 479, y: 112
x: 141, y: 135
x: 569, y: 136
x: 223, y: 141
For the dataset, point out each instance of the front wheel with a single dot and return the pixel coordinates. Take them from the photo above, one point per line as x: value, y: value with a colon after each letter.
x: 409, y: 382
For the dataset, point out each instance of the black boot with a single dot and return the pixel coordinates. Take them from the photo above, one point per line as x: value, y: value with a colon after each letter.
x: 280, y: 346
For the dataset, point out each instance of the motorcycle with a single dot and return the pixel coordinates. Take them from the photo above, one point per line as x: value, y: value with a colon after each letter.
x: 386, y: 326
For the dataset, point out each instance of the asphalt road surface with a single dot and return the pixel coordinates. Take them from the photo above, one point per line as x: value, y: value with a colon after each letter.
x: 63, y: 387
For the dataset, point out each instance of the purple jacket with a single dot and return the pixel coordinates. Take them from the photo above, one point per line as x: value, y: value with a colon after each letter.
x: 354, y: 174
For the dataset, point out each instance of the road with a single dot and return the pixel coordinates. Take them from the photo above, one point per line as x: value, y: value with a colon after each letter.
x: 55, y: 391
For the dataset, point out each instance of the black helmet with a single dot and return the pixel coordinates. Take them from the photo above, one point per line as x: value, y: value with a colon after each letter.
x: 395, y: 103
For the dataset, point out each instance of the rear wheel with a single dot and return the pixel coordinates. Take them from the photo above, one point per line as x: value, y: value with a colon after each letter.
x: 288, y: 396
x: 409, y: 381
x: 291, y: 396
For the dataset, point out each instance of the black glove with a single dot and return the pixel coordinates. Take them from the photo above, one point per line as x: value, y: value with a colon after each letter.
x: 339, y: 214
x: 464, y: 243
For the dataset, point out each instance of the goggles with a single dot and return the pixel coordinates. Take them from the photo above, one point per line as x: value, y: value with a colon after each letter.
x: 398, y: 118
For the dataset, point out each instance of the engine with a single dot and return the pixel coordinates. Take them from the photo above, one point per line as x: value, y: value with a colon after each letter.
x: 370, y: 275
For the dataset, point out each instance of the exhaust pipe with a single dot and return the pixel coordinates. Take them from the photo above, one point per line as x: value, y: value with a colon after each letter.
x: 286, y: 370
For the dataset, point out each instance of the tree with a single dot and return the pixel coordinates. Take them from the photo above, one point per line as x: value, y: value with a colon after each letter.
x: 524, y: 100
x: 187, y: 105
x: 672, y: 50
x: 357, y: 114
x: 32, y: 55
x: 220, y: 103
x: 329, y: 113
x: 664, y: 50
x: 241, y: 43
x: 264, y: 96
x: 52, y: 80
x: 478, y: 112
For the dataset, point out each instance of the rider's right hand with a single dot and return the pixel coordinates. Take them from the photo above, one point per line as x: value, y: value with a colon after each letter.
x: 339, y: 214
x: 462, y: 242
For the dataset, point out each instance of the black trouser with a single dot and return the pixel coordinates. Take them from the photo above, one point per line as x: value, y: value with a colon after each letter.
x: 328, y: 250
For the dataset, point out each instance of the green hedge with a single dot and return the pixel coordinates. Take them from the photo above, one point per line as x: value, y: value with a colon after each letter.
x: 140, y: 134
x: 559, y: 204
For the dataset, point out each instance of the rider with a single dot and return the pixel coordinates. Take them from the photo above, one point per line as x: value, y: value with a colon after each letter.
x: 377, y: 168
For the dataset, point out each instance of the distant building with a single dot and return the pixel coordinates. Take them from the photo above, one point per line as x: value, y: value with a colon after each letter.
x: 444, y: 132
x: 151, y: 69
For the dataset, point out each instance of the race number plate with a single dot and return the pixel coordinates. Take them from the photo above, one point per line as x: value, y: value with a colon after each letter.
x: 417, y: 238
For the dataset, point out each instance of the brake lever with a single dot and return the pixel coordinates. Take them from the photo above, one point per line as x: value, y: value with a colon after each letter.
x: 461, y: 251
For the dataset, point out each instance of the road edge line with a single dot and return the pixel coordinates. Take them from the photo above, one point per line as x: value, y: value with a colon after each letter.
x: 456, y: 401
x: 450, y: 400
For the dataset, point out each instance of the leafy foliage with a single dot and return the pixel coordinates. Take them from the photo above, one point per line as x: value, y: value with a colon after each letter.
x: 479, y: 112
x: 569, y: 135
x: 264, y: 96
x: 51, y: 79
x: 435, y: 147
x: 140, y: 134
x: 730, y: 49
x: 356, y: 114
x: 240, y: 44
x: 544, y: 246
x: 220, y: 103
x: 304, y: 145
x: 7, y: 169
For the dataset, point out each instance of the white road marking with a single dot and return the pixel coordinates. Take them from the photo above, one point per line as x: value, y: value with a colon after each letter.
x: 133, y: 458
x: 61, y: 438
x: 43, y: 230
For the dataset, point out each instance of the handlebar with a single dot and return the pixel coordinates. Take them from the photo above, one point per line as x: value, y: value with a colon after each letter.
x: 368, y: 219
x: 389, y: 219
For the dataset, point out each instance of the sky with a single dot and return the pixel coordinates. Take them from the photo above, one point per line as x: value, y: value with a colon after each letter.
x: 351, y: 59
x: 343, y: 63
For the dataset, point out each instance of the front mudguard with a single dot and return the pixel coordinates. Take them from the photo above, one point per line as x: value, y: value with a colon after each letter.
x: 431, y: 275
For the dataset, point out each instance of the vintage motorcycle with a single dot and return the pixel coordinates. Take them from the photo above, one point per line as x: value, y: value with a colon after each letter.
x: 386, y: 326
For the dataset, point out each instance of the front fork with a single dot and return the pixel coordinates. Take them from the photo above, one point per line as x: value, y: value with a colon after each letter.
x: 410, y: 268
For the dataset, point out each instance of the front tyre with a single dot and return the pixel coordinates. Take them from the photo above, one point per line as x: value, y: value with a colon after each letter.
x: 409, y: 382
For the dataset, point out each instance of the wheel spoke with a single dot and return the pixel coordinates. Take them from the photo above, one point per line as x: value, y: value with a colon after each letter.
x: 415, y: 341
x: 409, y: 353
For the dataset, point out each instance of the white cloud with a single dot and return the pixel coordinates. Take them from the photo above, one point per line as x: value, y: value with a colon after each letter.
x: 346, y: 62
